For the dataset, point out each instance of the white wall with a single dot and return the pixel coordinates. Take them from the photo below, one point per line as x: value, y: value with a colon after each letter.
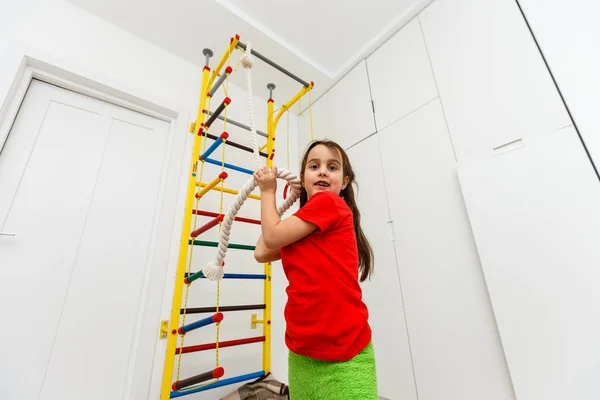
x: 568, y: 36
x: 14, y: 14
x: 319, y: 112
x: 61, y: 34
x: 12, y: 20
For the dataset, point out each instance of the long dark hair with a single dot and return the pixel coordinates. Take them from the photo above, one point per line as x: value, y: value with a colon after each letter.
x: 365, y: 252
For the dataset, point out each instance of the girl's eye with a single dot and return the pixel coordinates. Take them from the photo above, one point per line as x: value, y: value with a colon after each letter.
x: 332, y: 168
x: 314, y: 166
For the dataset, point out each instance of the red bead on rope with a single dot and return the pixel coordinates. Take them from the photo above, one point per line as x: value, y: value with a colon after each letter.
x: 285, y: 190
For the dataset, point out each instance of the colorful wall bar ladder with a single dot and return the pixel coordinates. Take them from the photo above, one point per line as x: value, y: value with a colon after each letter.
x: 210, y: 84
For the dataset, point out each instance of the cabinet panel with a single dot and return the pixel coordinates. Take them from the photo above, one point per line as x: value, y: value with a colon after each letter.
x: 400, y: 76
x: 491, y: 78
x: 382, y: 293
x: 351, y: 110
x: 534, y: 213
x: 455, y: 344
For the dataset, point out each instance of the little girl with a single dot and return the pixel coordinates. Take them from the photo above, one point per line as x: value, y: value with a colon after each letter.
x: 323, y: 251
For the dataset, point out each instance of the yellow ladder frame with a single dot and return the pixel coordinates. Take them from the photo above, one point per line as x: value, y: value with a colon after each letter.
x: 272, y: 122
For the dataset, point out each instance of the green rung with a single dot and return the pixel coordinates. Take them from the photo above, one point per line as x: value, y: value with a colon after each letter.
x: 216, y: 244
x: 195, y: 276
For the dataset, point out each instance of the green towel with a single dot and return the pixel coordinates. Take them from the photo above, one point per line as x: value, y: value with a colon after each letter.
x: 312, y: 379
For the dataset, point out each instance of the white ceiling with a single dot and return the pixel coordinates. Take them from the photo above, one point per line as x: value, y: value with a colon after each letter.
x: 317, y: 40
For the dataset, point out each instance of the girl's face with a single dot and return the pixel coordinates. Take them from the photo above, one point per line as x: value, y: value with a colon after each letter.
x: 324, y: 171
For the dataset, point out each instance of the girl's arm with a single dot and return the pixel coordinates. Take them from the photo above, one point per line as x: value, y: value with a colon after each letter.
x: 263, y: 255
x: 275, y: 232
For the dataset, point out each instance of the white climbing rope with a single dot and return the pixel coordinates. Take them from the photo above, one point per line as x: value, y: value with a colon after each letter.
x: 247, y: 62
x: 214, y: 269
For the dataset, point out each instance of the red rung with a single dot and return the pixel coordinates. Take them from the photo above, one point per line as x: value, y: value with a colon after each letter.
x: 212, y: 214
x: 205, y: 213
x: 247, y: 220
x: 209, y: 346
x: 207, y: 226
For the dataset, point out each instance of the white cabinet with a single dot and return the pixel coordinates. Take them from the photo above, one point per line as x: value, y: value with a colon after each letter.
x: 382, y: 293
x: 492, y: 80
x: 321, y: 123
x: 400, y: 76
x: 351, y: 109
x: 455, y: 344
x: 534, y: 212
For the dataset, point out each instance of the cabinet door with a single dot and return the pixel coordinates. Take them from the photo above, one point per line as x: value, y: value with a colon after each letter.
x: 351, y: 109
x: 566, y: 31
x: 492, y: 80
x: 534, y: 212
x: 455, y: 344
x: 321, y: 123
x: 382, y: 293
x: 400, y: 76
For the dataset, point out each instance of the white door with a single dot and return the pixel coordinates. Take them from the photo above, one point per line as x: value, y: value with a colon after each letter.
x: 79, y: 185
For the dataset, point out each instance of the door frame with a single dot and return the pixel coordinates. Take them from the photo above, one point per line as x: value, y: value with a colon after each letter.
x: 22, y: 64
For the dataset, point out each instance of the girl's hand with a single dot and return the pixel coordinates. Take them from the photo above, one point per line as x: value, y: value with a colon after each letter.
x: 266, y: 178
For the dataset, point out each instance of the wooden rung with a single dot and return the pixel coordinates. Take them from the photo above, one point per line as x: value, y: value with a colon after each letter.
x: 214, y: 374
x: 218, y: 317
x: 206, y: 187
x: 226, y: 190
x: 228, y: 343
x: 207, y: 226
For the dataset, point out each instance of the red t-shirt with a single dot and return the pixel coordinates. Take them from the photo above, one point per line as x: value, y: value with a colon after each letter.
x: 325, y: 315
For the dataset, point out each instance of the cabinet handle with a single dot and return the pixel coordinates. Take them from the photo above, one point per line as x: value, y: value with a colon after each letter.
x: 392, y: 231
x: 7, y: 234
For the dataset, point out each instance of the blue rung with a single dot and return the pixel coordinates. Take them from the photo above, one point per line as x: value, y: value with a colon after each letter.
x: 222, y: 382
x: 236, y: 276
x: 212, y: 148
x: 200, y: 323
x: 230, y: 166
x: 244, y: 276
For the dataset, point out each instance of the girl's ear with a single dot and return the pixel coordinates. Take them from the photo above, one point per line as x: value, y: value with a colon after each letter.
x: 302, y: 180
x: 346, y: 180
